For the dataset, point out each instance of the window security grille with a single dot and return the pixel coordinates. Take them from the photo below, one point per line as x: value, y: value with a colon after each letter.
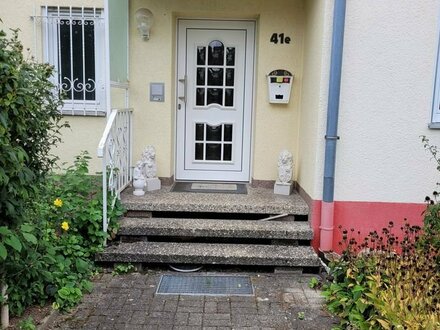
x: 73, y: 40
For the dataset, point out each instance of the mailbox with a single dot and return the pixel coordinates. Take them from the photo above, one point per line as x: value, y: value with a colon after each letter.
x: 280, y: 85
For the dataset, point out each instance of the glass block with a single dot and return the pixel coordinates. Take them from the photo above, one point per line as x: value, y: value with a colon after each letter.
x: 230, y: 56
x: 201, y: 55
x: 213, y: 133
x: 200, y: 132
x: 229, y: 97
x: 216, y: 53
x: 201, y: 76
x: 199, y: 151
x: 213, y: 151
x: 200, y: 97
x: 229, y: 77
x: 227, y: 152
x: 215, y: 95
x: 228, y: 133
x: 215, y: 77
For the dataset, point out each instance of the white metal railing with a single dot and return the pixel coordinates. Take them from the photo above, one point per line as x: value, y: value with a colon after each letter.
x: 115, y: 149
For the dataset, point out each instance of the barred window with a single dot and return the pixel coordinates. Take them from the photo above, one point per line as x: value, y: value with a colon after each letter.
x: 74, y: 44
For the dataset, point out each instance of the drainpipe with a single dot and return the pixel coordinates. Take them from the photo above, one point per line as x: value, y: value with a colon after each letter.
x: 331, y: 137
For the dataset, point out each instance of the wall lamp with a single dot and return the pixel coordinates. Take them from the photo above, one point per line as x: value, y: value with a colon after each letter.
x: 144, y: 19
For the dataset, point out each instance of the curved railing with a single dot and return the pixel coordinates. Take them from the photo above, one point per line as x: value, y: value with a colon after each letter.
x: 115, y: 149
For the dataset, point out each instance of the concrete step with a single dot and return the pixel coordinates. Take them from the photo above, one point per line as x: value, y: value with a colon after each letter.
x: 282, y: 230
x: 256, y: 201
x: 206, y: 253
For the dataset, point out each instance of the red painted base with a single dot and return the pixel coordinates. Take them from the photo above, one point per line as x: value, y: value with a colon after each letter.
x: 365, y: 217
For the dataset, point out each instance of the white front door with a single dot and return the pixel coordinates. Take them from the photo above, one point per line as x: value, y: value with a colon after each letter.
x: 215, y: 73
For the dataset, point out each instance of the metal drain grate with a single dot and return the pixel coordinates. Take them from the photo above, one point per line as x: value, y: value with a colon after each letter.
x: 205, y: 285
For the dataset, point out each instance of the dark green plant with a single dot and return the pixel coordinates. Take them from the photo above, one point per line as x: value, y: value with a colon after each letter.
x: 314, y: 283
x: 123, y: 268
x: 67, y: 297
x: 55, y: 256
x: 50, y: 225
x: 27, y: 324
x: 431, y: 220
x: 386, y: 282
x: 30, y: 126
x: 432, y: 149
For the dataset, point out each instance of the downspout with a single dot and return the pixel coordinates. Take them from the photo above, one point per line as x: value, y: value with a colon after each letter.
x: 331, y: 137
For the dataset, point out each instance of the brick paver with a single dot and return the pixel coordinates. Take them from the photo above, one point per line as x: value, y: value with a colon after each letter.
x: 129, y: 302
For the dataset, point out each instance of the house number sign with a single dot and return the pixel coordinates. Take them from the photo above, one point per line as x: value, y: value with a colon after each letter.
x: 279, y: 38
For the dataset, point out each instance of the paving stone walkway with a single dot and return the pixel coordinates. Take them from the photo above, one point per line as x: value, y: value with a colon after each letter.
x: 281, y: 301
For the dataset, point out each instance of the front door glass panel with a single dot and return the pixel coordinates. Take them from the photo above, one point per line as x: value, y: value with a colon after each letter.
x: 215, y: 74
x: 213, y: 142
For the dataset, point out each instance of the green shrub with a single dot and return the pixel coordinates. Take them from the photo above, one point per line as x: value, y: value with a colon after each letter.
x: 123, y: 268
x: 432, y: 222
x: 27, y: 324
x: 386, y: 283
x: 55, y: 261
x: 50, y: 225
x: 30, y: 126
x: 346, y: 295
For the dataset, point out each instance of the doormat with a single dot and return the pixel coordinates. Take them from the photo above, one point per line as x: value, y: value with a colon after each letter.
x: 205, y: 285
x: 210, y: 187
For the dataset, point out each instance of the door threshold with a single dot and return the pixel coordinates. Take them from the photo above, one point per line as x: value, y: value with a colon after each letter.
x: 210, y: 187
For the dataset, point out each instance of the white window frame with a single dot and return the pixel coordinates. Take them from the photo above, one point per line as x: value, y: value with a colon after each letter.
x: 52, y: 55
x: 435, y: 110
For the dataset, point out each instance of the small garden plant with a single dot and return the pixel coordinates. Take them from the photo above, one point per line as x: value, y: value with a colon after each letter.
x: 54, y: 261
x: 123, y: 268
x: 386, y: 283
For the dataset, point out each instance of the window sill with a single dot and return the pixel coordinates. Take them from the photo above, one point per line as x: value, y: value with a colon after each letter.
x: 434, y: 125
x: 83, y: 113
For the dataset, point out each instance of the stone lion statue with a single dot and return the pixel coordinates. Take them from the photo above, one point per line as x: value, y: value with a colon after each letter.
x: 285, y: 166
x: 149, y: 162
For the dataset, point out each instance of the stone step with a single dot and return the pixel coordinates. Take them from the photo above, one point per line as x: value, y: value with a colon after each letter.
x: 207, y: 253
x: 256, y: 201
x: 283, y: 230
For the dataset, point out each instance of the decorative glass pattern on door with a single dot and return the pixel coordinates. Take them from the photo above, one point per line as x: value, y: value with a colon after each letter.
x: 215, y: 75
x: 213, y: 142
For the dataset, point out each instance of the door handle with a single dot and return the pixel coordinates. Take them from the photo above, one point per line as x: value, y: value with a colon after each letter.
x: 183, y: 97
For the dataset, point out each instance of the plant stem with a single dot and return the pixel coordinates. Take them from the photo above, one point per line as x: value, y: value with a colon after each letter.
x: 4, y: 307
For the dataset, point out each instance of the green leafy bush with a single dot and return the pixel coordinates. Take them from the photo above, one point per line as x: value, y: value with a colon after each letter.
x: 123, y: 268
x: 386, y: 283
x: 30, y: 126
x: 50, y: 225
x: 432, y: 222
x: 27, y: 324
x: 55, y: 261
x: 67, y: 297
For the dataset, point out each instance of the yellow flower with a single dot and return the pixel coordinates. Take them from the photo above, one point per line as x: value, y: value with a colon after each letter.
x: 65, y: 225
x: 58, y: 202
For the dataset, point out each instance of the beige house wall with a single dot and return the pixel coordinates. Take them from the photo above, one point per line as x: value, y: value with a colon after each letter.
x: 84, y: 132
x: 389, y: 59
x: 389, y: 62
x: 276, y: 127
x: 317, y: 46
